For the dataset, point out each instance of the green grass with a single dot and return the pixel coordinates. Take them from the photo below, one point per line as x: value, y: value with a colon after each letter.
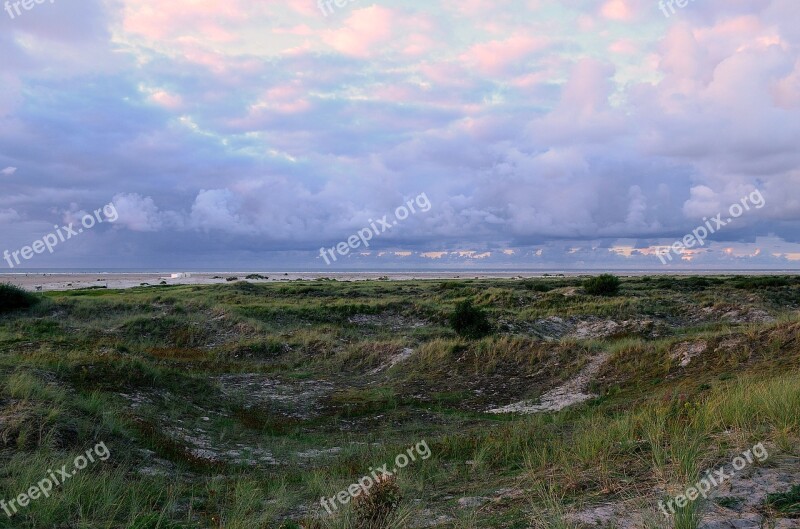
x: 145, y: 371
x: 786, y: 503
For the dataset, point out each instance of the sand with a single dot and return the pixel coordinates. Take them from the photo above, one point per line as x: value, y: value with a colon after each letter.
x: 73, y: 281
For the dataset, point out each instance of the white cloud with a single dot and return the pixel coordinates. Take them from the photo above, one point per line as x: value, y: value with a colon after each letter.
x: 7, y: 216
x: 139, y: 213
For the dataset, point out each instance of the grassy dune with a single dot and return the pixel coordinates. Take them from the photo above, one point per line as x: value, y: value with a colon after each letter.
x: 241, y: 405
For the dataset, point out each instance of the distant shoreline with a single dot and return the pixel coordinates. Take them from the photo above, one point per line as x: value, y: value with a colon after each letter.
x: 62, y: 281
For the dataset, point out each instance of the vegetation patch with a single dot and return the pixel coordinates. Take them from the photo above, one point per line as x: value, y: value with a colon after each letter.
x: 786, y: 503
x: 469, y: 321
x: 359, y: 402
x: 374, y: 508
x: 168, y: 330
x: 602, y: 285
x: 239, y: 405
x: 13, y: 298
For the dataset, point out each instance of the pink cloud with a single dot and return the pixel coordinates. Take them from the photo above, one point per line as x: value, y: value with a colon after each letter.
x: 287, y: 99
x: 786, y: 91
x: 161, y: 20
x: 624, y: 47
x: 418, y: 44
x: 167, y: 100
x: 363, y: 31
x: 304, y: 7
x: 616, y: 10
x: 495, y: 57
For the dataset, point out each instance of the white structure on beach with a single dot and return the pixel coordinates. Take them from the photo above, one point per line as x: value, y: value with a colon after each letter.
x: 181, y: 275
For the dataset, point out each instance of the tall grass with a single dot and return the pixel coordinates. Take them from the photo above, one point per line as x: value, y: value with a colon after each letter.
x: 665, y: 443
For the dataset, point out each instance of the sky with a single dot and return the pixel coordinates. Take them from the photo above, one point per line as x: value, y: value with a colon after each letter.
x: 248, y: 134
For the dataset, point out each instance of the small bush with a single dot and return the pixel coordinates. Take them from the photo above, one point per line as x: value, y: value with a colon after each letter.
x: 14, y: 298
x: 603, y: 285
x: 373, y: 509
x: 469, y: 321
x: 537, y: 286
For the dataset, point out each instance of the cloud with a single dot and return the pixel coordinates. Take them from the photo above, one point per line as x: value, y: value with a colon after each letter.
x: 8, y: 216
x: 255, y: 129
x: 8, y: 171
x: 140, y: 214
x: 363, y: 32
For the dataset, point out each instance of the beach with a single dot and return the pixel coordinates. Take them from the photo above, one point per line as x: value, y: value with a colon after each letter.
x: 61, y: 281
x: 45, y: 282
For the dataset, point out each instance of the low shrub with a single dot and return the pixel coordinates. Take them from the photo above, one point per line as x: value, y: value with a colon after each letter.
x: 374, y: 509
x: 14, y: 298
x: 602, y: 285
x: 469, y: 321
x: 537, y: 286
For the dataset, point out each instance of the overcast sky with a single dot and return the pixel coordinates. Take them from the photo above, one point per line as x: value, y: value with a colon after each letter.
x: 544, y: 133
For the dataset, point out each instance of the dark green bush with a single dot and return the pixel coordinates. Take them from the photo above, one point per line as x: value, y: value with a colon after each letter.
x: 537, y: 286
x: 469, y: 321
x: 14, y: 298
x: 603, y: 285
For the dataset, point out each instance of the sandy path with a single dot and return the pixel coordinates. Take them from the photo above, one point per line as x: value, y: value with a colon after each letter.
x: 568, y: 394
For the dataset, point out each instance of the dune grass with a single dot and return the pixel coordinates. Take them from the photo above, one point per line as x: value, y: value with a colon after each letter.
x: 131, y: 368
